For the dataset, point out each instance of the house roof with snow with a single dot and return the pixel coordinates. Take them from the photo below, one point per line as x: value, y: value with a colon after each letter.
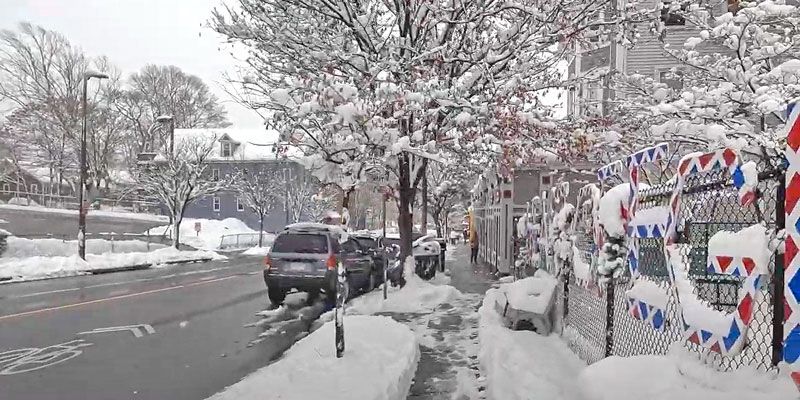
x: 232, y: 145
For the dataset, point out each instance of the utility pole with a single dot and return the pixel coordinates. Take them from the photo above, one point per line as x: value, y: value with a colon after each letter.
x: 286, y: 176
x: 608, y: 93
x: 424, y: 223
x: 81, y: 192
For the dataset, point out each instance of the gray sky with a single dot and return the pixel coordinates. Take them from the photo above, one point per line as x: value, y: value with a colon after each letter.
x: 133, y: 33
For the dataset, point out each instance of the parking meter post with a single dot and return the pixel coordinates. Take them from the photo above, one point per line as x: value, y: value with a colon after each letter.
x: 385, y: 276
x: 339, y: 311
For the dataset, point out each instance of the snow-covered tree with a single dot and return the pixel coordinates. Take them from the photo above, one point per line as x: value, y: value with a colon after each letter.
x: 178, y: 179
x: 737, y: 75
x: 260, y: 191
x: 357, y: 83
x: 450, y: 183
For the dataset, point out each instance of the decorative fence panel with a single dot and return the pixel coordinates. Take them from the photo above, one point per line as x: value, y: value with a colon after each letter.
x: 605, y: 320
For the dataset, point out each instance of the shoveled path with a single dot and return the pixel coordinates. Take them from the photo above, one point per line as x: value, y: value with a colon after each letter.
x: 448, y: 366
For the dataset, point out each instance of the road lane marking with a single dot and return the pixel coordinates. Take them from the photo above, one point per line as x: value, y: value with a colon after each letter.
x: 31, y: 359
x: 135, y: 329
x: 118, y: 283
x: 84, y: 303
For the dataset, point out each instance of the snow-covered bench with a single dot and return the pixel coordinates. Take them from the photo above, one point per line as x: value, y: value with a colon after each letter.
x: 528, y: 302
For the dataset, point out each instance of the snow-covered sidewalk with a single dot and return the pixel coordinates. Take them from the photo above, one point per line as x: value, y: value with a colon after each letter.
x: 100, y: 213
x: 31, y: 268
x: 379, y: 362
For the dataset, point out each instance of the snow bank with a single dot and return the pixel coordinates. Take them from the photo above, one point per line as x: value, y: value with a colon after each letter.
x: 417, y: 296
x: 20, y: 269
x: 533, y: 294
x: 749, y: 242
x: 379, y: 362
x: 21, y: 247
x: 523, y: 364
x: 611, y: 205
x: 695, y: 312
x: 256, y: 251
x: 109, y: 214
x: 651, y: 216
x: 677, y: 376
x: 650, y: 293
x: 211, y: 231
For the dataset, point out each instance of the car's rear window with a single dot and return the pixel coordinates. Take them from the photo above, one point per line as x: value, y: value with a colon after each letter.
x: 300, y: 243
x: 367, y: 243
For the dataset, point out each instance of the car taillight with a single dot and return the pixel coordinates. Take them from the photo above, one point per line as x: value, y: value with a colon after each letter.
x: 332, y: 262
x: 267, y: 263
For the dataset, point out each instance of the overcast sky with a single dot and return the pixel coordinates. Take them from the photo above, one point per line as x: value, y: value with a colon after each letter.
x: 133, y: 33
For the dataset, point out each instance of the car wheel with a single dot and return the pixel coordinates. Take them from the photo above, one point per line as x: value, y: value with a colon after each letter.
x: 276, y: 296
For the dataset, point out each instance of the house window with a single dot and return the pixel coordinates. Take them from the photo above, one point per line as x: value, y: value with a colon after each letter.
x: 34, y: 188
x: 226, y: 149
x: 216, y: 204
x: 6, y: 187
x: 669, y: 17
x: 239, y: 205
x: 215, y: 174
x: 673, y: 79
x: 287, y: 174
x: 546, y: 180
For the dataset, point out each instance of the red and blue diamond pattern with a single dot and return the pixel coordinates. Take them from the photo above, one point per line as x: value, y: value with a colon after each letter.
x: 637, y: 308
x: 791, y: 327
x: 732, y: 342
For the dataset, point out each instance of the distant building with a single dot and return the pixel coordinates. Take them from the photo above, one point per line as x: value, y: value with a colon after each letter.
x: 23, y: 182
x: 240, y: 149
x: 594, y: 59
x: 498, y: 203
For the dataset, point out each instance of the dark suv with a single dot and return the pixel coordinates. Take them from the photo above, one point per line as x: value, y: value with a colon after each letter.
x: 304, y: 256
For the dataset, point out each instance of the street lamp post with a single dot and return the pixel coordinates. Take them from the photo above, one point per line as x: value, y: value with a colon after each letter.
x: 81, y: 195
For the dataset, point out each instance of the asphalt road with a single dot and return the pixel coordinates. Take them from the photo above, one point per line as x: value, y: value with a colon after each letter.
x: 201, y: 333
x: 32, y: 222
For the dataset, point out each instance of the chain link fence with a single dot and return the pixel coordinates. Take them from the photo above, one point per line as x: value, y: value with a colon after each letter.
x: 595, y: 329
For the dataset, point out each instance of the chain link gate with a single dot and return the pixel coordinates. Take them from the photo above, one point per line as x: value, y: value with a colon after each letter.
x: 709, y: 205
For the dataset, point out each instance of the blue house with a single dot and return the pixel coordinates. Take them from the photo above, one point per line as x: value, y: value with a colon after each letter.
x: 238, y: 149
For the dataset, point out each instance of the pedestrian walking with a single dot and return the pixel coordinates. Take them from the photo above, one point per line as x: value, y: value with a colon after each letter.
x: 473, y: 243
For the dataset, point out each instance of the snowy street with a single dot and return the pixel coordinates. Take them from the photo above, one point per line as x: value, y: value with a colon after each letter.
x: 188, y: 332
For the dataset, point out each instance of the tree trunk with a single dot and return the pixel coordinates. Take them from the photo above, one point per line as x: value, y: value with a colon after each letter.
x: 406, y: 199
x: 260, y: 230
x: 346, y: 205
x: 176, y: 231
x: 424, y: 220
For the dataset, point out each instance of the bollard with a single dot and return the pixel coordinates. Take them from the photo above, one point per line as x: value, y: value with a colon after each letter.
x: 339, y: 312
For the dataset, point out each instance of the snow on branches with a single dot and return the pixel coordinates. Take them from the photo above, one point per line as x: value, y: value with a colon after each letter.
x: 734, y: 78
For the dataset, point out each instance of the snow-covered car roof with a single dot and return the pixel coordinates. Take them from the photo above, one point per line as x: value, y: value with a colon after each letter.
x: 317, y: 227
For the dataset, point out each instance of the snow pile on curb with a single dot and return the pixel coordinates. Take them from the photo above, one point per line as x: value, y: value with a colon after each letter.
x: 30, y: 268
x: 523, y: 364
x: 21, y: 247
x: 532, y: 294
x: 99, y: 213
x: 417, y: 296
x: 379, y: 363
x: 211, y: 230
x: 678, y: 375
x: 257, y: 251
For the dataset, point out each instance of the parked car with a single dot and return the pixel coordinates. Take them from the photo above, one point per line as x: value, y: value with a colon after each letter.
x: 373, y: 246
x: 305, y: 256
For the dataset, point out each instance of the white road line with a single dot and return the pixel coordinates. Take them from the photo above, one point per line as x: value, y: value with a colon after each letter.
x: 118, y: 283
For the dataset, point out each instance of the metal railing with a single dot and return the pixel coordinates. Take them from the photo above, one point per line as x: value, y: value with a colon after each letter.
x: 71, y: 202
x: 237, y: 241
